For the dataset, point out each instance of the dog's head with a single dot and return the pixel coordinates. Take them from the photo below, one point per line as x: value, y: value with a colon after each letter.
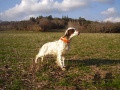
x: 71, y: 32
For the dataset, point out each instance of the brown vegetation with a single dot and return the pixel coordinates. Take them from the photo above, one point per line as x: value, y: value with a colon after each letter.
x: 52, y: 24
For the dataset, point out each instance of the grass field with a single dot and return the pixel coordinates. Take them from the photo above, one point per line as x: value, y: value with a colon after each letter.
x: 93, y: 63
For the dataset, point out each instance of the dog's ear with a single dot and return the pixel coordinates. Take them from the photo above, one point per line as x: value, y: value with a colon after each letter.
x: 69, y: 32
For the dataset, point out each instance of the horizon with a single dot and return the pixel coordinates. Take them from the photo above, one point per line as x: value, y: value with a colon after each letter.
x: 94, y: 10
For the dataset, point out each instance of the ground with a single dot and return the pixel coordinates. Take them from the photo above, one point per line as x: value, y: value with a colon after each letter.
x: 92, y: 63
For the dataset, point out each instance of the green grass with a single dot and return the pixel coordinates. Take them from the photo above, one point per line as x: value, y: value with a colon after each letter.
x: 90, y: 59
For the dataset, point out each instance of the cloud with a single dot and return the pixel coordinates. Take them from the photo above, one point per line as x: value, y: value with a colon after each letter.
x: 112, y: 19
x: 111, y: 14
x: 72, y: 4
x: 105, y: 1
x: 29, y: 8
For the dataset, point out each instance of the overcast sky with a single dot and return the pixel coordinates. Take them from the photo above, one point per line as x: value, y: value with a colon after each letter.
x: 97, y: 10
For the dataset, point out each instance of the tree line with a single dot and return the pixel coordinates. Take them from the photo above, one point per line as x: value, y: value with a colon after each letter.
x: 49, y: 23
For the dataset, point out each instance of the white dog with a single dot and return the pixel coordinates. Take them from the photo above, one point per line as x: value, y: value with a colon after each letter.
x: 58, y: 48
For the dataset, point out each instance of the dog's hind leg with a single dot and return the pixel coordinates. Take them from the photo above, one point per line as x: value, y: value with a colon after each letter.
x: 38, y: 56
x: 42, y: 59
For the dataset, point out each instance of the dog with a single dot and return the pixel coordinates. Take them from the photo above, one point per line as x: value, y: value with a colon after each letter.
x: 58, y: 48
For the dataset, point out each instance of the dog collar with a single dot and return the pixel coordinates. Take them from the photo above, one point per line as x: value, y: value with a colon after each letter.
x: 65, y: 40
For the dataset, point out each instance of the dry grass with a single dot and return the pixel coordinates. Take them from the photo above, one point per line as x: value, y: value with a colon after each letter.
x: 92, y: 63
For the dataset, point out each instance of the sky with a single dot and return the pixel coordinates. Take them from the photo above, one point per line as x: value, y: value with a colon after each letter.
x: 95, y: 10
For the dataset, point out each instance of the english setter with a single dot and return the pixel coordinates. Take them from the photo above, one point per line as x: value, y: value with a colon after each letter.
x: 58, y: 48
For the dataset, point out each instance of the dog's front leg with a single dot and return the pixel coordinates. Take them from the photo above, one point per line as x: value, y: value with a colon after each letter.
x: 59, y: 58
x: 63, y: 61
x: 59, y: 61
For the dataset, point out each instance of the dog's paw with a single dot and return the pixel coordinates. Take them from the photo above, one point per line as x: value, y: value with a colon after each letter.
x: 63, y: 69
x: 64, y: 66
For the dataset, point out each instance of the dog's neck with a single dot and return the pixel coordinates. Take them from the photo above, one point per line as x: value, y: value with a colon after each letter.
x: 65, y: 40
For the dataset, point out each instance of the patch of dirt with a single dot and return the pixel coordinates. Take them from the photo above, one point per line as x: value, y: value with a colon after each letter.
x: 96, y: 69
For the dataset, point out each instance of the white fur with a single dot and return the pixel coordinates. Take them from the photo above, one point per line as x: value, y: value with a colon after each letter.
x: 56, y: 48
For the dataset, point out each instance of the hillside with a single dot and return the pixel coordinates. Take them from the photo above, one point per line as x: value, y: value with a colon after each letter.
x: 49, y: 23
x: 0, y: 21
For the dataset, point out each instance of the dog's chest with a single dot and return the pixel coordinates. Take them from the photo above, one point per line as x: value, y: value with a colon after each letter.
x: 65, y: 48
